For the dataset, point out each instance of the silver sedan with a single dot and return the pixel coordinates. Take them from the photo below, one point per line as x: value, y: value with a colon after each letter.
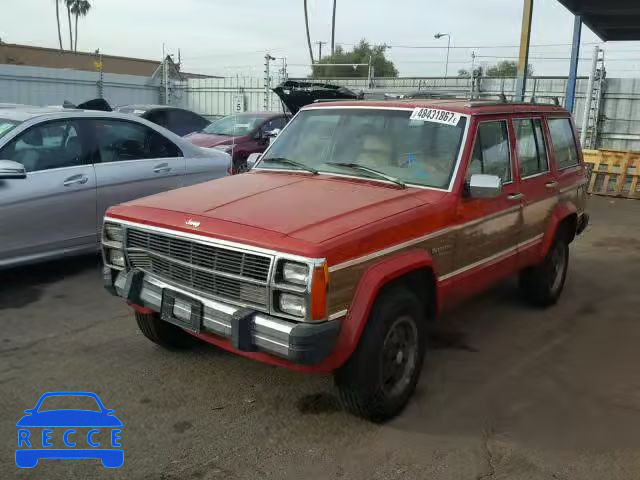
x: 60, y: 171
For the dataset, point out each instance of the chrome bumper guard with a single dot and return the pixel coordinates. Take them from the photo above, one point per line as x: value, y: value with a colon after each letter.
x: 250, y: 330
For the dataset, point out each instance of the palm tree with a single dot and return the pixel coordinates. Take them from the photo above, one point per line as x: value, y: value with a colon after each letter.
x: 306, y: 22
x: 333, y: 28
x: 58, y: 19
x: 79, y: 8
x: 69, y: 3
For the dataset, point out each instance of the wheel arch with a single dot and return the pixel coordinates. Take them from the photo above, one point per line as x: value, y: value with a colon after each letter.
x: 564, y: 217
x: 414, y: 269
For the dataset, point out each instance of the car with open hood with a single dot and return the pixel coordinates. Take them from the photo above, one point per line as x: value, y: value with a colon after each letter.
x: 360, y: 223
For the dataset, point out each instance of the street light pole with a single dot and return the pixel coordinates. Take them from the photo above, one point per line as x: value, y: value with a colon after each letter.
x: 438, y: 36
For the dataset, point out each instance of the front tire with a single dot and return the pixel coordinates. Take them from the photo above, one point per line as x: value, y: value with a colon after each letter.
x: 542, y: 284
x: 378, y: 380
x: 163, y: 333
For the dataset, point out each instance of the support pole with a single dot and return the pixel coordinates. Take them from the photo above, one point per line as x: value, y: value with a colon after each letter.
x: 446, y: 68
x: 525, y: 41
x: 573, y: 68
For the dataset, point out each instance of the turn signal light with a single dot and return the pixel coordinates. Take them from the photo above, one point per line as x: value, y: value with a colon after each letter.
x: 319, y: 288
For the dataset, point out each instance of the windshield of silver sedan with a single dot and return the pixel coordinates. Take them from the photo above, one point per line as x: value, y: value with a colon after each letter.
x: 416, y: 147
x: 6, y: 126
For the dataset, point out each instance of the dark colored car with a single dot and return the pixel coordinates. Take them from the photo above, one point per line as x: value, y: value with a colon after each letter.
x: 295, y: 95
x: 241, y: 135
x: 179, y: 121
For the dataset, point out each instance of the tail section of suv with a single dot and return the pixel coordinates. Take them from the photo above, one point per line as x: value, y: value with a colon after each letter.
x: 360, y: 223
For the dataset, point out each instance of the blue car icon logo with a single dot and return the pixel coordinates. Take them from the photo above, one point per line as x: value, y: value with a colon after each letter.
x: 69, y: 433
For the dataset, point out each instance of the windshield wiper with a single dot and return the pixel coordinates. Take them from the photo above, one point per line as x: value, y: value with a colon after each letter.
x: 357, y: 166
x: 291, y: 162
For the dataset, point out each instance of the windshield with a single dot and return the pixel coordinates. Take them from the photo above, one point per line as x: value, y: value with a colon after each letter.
x: 6, y: 126
x: 69, y: 402
x: 414, y: 149
x: 234, y: 125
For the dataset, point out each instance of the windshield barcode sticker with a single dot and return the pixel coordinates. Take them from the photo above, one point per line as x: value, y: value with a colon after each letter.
x: 435, y: 115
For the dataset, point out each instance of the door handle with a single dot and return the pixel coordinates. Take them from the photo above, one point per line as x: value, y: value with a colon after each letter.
x: 75, y: 180
x: 162, y: 168
x: 551, y: 184
x: 515, y: 196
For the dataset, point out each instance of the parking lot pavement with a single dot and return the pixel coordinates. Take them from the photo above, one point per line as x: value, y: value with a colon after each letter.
x: 507, y: 391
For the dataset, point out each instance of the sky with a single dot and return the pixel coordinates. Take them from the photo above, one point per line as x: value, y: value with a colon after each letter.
x: 230, y: 38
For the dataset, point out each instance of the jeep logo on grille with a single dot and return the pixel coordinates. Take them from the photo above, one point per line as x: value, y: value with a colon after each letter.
x: 192, y: 223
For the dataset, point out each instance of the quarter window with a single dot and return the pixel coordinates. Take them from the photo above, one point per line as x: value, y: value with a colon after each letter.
x: 491, y: 152
x: 564, y: 142
x: 119, y: 141
x: 46, y: 146
x: 532, y: 153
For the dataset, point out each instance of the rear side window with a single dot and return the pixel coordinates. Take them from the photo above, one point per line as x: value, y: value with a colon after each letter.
x: 119, y: 141
x: 159, y: 117
x: 532, y: 153
x: 491, y: 152
x: 564, y: 142
x: 182, y: 122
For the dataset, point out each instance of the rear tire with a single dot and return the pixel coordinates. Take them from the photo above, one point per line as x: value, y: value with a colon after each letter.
x: 163, y: 333
x: 378, y: 380
x: 542, y: 284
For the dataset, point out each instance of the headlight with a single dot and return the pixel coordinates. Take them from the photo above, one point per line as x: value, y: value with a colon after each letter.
x: 293, y: 304
x: 297, y: 273
x: 224, y: 148
x: 113, y: 232
x: 116, y: 258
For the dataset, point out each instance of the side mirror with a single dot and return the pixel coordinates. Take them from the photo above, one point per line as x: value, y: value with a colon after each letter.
x: 272, y: 133
x: 484, y: 186
x: 253, y: 159
x: 10, y: 170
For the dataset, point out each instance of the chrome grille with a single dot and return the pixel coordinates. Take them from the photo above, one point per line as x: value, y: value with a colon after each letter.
x: 220, y: 272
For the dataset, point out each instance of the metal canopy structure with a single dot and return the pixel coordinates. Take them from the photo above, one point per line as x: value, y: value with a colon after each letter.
x: 611, y: 20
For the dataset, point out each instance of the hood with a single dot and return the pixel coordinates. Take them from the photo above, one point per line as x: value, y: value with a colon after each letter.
x: 309, y: 208
x: 209, y: 140
x: 296, y: 95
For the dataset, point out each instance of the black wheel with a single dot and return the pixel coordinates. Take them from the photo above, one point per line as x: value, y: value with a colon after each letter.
x: 381, y: 375
x: 543, y: 284
x: 163, y: 333
x: 243, y: 167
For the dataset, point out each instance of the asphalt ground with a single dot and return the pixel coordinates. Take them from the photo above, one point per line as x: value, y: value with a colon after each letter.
x: 507, y: 392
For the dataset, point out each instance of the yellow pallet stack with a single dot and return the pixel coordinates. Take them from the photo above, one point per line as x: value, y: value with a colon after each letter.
x: 613, y: 173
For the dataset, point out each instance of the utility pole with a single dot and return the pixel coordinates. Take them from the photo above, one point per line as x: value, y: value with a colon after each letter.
x: 283, y: 70
x: 267, y: 82
x: 165, y: 76
x: 99, y: 67
x: 333, y: 29
x: 584, y: 127
x: 320, y: 49
x: 472, y: 73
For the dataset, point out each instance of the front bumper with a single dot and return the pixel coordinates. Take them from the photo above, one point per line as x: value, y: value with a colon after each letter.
x: 249, y: 330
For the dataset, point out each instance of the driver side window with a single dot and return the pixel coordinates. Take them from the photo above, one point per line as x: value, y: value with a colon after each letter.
x: 491, y: 152
x: 46, y: 146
